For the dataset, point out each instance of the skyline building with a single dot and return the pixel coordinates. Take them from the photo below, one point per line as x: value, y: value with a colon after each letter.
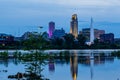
x: 51, y: 28
x: 86, y: 32
x: 74, y: 26
x: 91, y: 32
x: 108, y: 38
x: 57, y: 33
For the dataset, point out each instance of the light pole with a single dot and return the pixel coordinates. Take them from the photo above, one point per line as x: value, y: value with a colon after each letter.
x: 40, y: 27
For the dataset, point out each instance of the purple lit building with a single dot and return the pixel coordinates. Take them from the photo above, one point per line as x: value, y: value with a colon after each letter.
x: 51, y: 28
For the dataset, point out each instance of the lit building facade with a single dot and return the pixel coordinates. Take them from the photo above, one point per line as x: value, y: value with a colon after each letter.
x: 51, y: 28
x: 97, y: 33
x: 74, y: 26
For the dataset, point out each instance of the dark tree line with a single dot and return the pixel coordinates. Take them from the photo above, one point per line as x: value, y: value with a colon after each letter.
x: 68, y: 41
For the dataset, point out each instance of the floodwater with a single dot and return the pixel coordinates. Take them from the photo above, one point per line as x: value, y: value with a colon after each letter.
x: 76, y: 66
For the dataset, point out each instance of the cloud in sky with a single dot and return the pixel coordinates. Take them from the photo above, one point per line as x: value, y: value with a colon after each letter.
x: 51, y: 6
x: 20, y: 13
x: 76, y: 2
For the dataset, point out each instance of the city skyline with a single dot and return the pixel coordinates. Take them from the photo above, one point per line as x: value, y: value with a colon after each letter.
x: 20, y: 16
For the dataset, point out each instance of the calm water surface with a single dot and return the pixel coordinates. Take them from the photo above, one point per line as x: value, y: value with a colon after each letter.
x: 75, y: 67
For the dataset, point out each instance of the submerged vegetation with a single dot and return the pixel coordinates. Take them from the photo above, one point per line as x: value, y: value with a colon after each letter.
x: 34, y: 64
x: 4, y: 55
x: 35, y: 61
x: 116, y: 54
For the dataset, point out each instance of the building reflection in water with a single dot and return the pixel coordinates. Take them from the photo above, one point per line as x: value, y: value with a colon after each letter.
x: 93, y: 59
x: 51, y: 66
x: 96, y: 59
x: 74, y: 65
x: 87, y: 59
x: 6, y: 62
x: 91, y: 65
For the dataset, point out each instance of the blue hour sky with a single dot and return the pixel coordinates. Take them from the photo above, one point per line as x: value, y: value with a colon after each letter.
x: 19, y: 16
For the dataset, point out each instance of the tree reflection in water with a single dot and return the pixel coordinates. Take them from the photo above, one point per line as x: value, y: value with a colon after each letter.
x: 34, y: 63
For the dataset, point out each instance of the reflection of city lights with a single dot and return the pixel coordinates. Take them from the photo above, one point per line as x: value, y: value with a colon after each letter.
x: 74, y: 65
x: 75, y: 77
x: 51, y: 66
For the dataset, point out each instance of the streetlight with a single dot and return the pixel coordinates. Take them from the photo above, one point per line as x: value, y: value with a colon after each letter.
x: 40, y: 27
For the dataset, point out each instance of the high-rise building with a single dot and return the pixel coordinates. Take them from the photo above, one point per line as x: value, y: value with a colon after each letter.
x: 51, y: 28
x: 74, y: 26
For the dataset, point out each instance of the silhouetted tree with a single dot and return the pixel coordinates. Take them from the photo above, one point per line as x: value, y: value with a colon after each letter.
x: 81, y: 39
x: 69, y: 40
x: 35, y: 42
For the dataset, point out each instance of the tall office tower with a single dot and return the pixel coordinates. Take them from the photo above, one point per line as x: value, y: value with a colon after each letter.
x: 91, y: 32
x: 51, y: 28
x: 74, y: 26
